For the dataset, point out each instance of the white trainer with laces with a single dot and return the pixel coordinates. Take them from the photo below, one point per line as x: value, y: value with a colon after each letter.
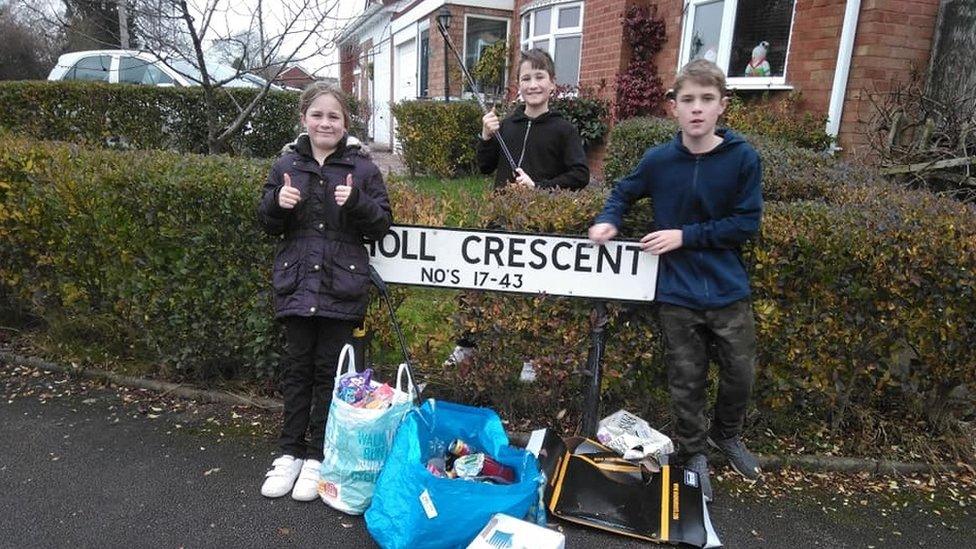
x: 307, y: 486
x: 280, y: 479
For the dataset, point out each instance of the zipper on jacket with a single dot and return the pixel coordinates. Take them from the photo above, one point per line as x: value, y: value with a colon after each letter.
x: 524, y: 141
x: 694, y: 190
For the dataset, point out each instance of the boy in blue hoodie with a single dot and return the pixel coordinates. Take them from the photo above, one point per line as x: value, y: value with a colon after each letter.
x: 705, y: 188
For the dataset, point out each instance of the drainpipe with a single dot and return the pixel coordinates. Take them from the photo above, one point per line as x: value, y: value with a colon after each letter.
x: 844, y: 54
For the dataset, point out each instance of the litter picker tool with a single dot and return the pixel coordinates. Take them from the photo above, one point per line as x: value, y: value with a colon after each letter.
x: 477, y: 96
x: 380, y: 284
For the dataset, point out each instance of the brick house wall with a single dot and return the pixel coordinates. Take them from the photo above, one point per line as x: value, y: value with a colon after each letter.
x: 892, y: 37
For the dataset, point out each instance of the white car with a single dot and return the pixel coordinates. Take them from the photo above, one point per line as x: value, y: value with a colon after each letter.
x: 136, y: 67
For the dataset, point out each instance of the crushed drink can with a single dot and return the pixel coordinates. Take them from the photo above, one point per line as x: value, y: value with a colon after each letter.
x: 459, y: 448
x: 483, y: 467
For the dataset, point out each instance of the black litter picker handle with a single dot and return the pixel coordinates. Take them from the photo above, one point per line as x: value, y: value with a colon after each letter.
x: 380, y: 284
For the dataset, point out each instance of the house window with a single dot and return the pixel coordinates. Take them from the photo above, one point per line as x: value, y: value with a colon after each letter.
x: 479, y: 34
x: 748, y: 39
x: 424, y: 62
x: 557, y: 28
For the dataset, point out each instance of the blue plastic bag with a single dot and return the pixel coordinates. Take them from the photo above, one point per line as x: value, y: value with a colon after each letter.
x: 412, y: 508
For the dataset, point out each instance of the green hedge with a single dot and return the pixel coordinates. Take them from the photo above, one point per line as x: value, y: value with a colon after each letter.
x: 438, y: 138
x: 144, y: 117
x: 789, y: 172
x: 865, y: 299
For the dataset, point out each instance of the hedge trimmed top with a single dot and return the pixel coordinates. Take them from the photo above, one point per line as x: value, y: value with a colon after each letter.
x: 144, y: 117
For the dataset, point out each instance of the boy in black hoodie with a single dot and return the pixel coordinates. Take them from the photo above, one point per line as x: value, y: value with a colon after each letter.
x: 547, y: 149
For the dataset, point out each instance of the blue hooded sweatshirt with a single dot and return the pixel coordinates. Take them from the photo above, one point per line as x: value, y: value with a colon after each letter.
x: 715, y: 198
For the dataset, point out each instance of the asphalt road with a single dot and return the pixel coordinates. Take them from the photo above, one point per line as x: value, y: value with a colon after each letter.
x: 85, y: 465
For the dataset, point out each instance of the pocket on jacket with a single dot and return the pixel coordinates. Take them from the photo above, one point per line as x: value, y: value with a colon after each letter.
x: 284, y: 278
x: 350, y: 278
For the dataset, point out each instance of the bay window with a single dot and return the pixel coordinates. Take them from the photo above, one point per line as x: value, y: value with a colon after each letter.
x: 556, y: 27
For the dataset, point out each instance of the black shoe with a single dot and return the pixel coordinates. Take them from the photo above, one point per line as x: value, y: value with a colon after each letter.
x: 699, y: 464
x: 739, y: 457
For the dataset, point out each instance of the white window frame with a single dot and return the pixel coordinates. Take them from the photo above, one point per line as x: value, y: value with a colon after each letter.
x: 464, y: 39
x: 554, y: 30
x: 725, y: 47
x: 422, y: 25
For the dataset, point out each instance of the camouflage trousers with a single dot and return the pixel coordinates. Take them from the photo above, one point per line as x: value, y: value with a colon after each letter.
x: 690, y: 338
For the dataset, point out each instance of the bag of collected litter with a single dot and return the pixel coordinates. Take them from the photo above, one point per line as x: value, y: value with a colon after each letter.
x: 633, y: 437
x: 592, y: 485
x: 413, y: 508
x: 359, y: 433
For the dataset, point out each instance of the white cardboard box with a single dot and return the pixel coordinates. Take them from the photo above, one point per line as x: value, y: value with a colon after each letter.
x: 505, y: 532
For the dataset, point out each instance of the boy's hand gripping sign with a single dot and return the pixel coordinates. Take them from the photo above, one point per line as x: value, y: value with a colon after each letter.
x: 513, y: 262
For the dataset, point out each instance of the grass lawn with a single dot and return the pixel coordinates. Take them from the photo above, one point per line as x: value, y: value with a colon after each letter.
x: 473, y: 186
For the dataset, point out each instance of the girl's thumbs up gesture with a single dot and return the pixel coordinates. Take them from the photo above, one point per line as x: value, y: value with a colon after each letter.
x: 288, y: 196
x: 342, y: 192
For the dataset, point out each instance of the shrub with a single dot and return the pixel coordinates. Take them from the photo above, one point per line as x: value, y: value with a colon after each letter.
x: 630, y: 139
x: 782, y: 119
x: 640, y: 91
x: 151, y: 249
x: 585, y: 110
x: 865, y: 300
x: 438, y: 138
x: 143, y: 117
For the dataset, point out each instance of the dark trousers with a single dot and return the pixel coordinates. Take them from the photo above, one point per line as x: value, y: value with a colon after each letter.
x: 312, y: 346
x: 688, y: 335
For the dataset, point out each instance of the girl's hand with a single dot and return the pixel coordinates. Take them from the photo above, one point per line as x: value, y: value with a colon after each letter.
x: 489, y: 124
x: 288, y: 196
x: 342, y: 192
x: 522, y: 179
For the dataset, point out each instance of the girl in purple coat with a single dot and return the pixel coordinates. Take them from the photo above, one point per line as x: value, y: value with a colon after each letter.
x: 323, y: 198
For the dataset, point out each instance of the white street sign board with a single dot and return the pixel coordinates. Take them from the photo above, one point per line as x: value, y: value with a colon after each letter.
x: 513, y: 262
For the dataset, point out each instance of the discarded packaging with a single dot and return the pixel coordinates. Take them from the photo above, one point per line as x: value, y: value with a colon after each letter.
x: 510, y: 532
x: 633, y: 437
x: 482, y: 467
x: 590, y: 484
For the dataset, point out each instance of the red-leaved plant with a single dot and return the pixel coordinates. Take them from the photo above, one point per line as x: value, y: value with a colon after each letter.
x: 639, y: 88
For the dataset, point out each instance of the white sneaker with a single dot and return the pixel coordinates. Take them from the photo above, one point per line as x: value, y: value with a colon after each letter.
x: 281, y: 477
x: 307, y: 486
x: 458, y: 355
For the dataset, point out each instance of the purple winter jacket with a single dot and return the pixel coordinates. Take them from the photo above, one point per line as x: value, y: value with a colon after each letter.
x: 321, y: 264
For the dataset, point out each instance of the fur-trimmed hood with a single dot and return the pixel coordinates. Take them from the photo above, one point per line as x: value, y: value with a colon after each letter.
x: 303, y: 146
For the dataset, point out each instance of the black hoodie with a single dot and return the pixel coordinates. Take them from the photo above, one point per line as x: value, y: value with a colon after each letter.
x: 549, y: 148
